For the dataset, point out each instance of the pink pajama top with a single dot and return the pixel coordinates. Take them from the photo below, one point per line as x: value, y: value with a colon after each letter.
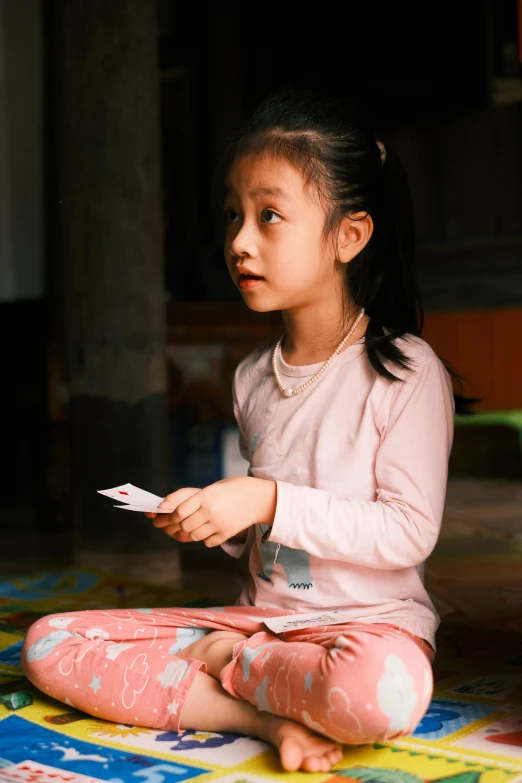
x: 361, y: 468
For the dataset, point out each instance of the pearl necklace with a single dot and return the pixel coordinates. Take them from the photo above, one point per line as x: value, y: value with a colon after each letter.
x: 277, y: 350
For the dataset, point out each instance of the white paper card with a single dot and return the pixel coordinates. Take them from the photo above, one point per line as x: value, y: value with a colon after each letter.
x: 136, y: 499
x: 142, y: 509
x: 291, y: 622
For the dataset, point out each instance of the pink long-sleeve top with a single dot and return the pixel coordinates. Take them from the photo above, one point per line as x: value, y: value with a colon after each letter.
x: 361, y: 469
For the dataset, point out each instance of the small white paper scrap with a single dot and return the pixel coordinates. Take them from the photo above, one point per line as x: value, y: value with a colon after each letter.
x: 291, y: 622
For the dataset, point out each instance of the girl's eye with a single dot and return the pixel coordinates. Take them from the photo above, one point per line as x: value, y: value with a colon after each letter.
x: 271, y: 212
x: 229, y: 212
x: 231, y: 216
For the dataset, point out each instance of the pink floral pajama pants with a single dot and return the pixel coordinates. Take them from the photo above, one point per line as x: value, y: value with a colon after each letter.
x: 355, y: 683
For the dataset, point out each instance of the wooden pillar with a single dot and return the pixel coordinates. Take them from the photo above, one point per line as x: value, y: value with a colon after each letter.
x: 225, y: 86
x: 110, y: 215
x: 7, y: 270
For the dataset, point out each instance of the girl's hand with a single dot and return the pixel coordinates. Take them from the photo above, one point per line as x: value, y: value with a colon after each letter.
x: 217, y: 512
x: 180, y: 495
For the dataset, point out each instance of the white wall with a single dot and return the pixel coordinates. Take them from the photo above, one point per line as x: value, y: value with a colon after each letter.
x: 21, y: 150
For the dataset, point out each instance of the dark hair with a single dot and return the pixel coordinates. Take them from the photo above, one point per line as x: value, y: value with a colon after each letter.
x: 328, y: 138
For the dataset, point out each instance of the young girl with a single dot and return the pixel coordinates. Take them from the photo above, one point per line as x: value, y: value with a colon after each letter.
x: 347, y: 423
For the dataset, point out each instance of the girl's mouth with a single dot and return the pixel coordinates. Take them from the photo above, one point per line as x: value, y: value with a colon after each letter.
x: 248, y: 282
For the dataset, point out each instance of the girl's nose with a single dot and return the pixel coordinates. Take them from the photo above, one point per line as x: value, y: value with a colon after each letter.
x: 243, y: 245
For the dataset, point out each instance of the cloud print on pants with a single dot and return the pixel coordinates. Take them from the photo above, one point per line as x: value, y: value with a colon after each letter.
x: 396, y: 695
x: 61, y: 622
x: 113, y: 650
x: 282, y: 686
x: 174, y: 673
x: 44, y: 646
x: 138, y: 666
x: 341, y: 723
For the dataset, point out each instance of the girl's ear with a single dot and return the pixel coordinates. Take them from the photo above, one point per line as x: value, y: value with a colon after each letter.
x: 354, y: 234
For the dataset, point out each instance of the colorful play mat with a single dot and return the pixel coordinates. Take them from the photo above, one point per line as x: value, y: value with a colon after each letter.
x: 472, y: 732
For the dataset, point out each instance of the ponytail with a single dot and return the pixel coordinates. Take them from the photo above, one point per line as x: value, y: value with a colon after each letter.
x: 383, y: 281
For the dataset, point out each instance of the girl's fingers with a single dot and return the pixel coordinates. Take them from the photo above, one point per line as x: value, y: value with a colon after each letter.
x: 183, y: 538
x: 163, y: 520
x: 150, y: 514
x: 202, y: 532
x: 214, y: 540
x: 175, y: 498
x: 188, y: 508
x: 172, y: 529
x: 194, y: 521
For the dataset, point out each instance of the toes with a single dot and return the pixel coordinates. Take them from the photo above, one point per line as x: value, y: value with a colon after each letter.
x: 291, y: 753
x: 334, y: 756
x: 302, y: 749
x: 316, y: 764
x: 322, y: 762
x: 312, y: 764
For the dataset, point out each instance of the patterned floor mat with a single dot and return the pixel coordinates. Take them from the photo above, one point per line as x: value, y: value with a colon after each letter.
x: 472, y: 732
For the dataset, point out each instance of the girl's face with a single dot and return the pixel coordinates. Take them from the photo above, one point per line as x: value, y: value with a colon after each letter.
x: 274, y: 245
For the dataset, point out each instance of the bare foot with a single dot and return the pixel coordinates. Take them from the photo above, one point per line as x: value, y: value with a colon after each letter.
x: 215, y: 649
x: 299, y: 747
x: 209, y: 708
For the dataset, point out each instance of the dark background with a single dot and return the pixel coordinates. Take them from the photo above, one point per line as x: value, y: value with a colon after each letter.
x: 432, y: 81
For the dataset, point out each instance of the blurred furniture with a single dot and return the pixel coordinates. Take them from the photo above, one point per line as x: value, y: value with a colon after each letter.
x: 485, y: 346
